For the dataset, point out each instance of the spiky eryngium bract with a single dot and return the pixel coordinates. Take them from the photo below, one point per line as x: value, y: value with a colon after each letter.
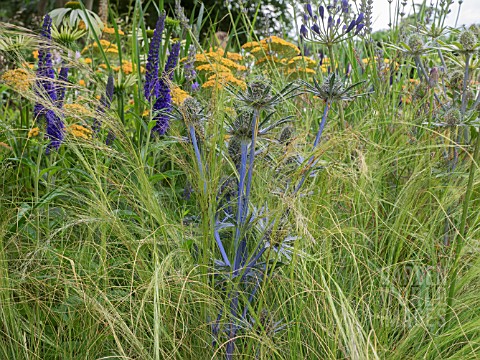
x: 331, y: 89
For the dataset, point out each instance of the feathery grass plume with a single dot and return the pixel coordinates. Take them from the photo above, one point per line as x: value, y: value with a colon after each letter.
x: 163, y: 104
x: 152, y: 85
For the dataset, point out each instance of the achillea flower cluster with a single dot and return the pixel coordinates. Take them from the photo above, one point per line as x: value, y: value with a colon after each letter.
x: 178, y: 96
x: 18, y: 79
x: 283, y: 54
x: 111, y: 31
x: 80, y: 131
x: 107, y: 46
x: 220, y: 68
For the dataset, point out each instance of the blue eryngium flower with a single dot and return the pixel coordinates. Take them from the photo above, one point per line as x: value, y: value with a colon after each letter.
x: 152, y: 86
x: 163, y: 104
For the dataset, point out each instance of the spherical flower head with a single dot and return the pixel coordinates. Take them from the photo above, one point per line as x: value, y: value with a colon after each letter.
x: 242, y: 126
x: 191, y: 111
x: 468, y: 40
x: 286, y: 135
x: 415, y: 42
x: 259, y: 92
x: 455, y: 80
x: 452, y: 117
x: 234, y: 150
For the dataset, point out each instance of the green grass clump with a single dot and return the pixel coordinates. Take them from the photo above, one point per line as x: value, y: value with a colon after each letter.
x: 107, y: 251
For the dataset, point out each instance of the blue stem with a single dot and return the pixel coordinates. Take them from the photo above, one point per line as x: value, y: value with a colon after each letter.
x: 199, y: 158
x: 242, y: 171
x: 315, y: 143
x: 250, y: 163
x: 221, y: 248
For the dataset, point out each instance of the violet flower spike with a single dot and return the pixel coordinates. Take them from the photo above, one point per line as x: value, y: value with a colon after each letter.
x: 151, y: 86
x: 164, y: 99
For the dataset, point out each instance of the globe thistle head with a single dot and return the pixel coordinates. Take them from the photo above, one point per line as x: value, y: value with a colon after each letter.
x: 286, y: 135
x: 192, y: 112
x: 331, y: 89
x: 452, y: 116
x: 415, y: 43
x: 455, y: 80
x: 242, y: 125
x: 234, y: 150
x: 468, y: 40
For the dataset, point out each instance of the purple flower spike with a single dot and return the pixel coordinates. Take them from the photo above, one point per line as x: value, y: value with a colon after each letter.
x: 359, y: 28
x: 172, y: 60
x: 360, y: 18
x: 351, y: 26
x: 305, y: 17
x: 345, y: 6
x: 316, y: 29
x: 321, y: 11
x: 338, y: 21
x: 303, y: 31
x: 309, y: 9
x: 55, y: 130
x: 164, y: 99
x: 151, y: 86
x: 63, y: 77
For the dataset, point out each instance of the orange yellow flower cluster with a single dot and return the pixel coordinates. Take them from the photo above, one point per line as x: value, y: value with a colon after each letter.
x: 220, y: 68
x: 281, y: 53
x: 18, y: 79
x: 77, y: 110
x: 80, y: 131
x: 106, y: 45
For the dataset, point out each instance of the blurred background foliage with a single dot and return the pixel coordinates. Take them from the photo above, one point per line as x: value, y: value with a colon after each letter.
x: 268, y: 16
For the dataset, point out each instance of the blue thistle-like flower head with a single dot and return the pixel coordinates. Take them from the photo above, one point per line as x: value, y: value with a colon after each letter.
x: 151, y: 87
